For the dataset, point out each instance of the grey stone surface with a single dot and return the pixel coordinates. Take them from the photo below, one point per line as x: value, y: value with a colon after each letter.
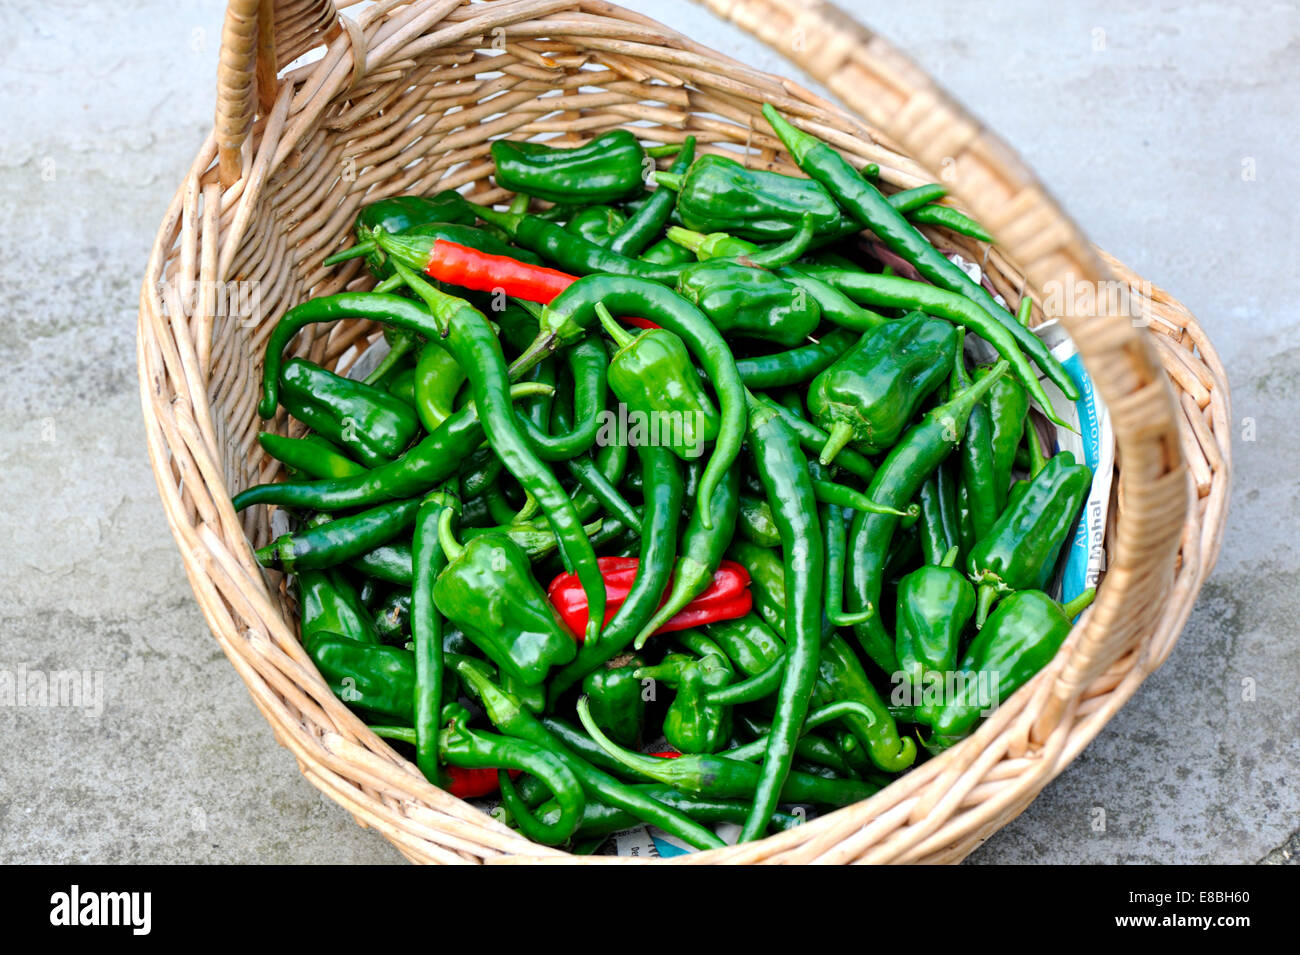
x: 1141, y: 121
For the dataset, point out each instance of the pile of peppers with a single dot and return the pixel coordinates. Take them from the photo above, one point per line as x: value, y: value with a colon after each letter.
x: 670, y: 502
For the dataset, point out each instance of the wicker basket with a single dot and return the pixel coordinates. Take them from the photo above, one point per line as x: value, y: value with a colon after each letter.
x: 405, y: 99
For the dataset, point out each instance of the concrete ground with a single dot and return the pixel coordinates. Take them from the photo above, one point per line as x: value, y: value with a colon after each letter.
x: 1165, y: 132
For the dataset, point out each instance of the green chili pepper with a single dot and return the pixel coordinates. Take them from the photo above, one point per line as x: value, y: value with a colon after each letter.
x: 393, y: 617
x: 431, y: 460
x: 589, y: 367
x: 871, y: 393
x: 1016, y: 641
x: 814, y: 439
x: 427, y: 626
x: 338, y: 541
x: 646, y: 223
x: 701, y: 551
x: 796, y: 365
x: 570, y: 252
x: 934, y: 605
x: 782, y: 468
x: 1021, y: 550
x: 471, y: 749
x: 916, y: 456
x: 488, y: 590
x: 313, y: 456
x: 574, y: 310
x: 810, y: 748
x: 597, y: 224
x: 328, y: 602
x: 724, y: 778
x: 1008, y: 410
x: 750, y: 303
x: 692, y: 724
x: 608, y: 168
x: 652, y: 374
x: 978, y: 471
x: 940, y: 523
x: 723, y: 247
x: 369, y: 422
x: 399, y: 213
x: 662, y: 494
x: 866, y: 204
x: 718, y: 194
x: 950, y: 219
x: 512, y: 719
x: 836, y: 536
x: 617, y: 703
x: 437, y: 381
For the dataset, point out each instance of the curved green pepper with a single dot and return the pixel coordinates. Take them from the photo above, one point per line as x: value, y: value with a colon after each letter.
x: 934, y: 604
x: 653, y: 375
x: 607, y: 169
x: 1021, y: 550
x: 872, y: 392
x: 750, y: 303
x: 312, y: 456
x: 488, y: 590
x: 614, y: 693
x: 1017, y: 641
x: 436, y: 381
x: 369, y: 422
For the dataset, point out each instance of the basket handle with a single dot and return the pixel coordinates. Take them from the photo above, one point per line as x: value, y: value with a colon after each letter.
x: 892, y: 93
x: 260, y: 37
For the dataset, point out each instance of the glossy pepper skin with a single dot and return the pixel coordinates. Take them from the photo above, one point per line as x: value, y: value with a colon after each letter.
x: 607, y: 169
x: 1021, y: 550
x: 934, y: 605
x: 375, y: 680
x: 750, y: 303
x: 1016, y: 641
x: 719, y: 194
x: 312, y: 456
x: 597, y: 224
x: 653, y: 375
x: 873, y: 391
x: 488, y: 590
x: 370, y: 423
x: 692, y: 724
x: 615, y: 695
x: 326, y: 601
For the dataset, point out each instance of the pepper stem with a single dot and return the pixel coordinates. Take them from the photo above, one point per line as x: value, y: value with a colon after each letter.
x: 798, y: 143
x: 508, y: 222
x: 395, y: 353
x: 783, y: 253
x: 433, y: 298
x: 622, y: 337
x: 1079, y: 603
x: 1025, y: 310
x: 669, y: 180
x: 950, y: 558
x: 841, y: 433
x: 688, y: 239
x: 447, y: 537
x: 987, y: 594
x: 358, y: 250
x: 543, y: 345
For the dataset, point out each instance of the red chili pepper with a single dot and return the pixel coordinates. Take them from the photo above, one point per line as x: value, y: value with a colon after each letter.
x: 473, y: 783
x: 469, y: 268
x: 726, y: 598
